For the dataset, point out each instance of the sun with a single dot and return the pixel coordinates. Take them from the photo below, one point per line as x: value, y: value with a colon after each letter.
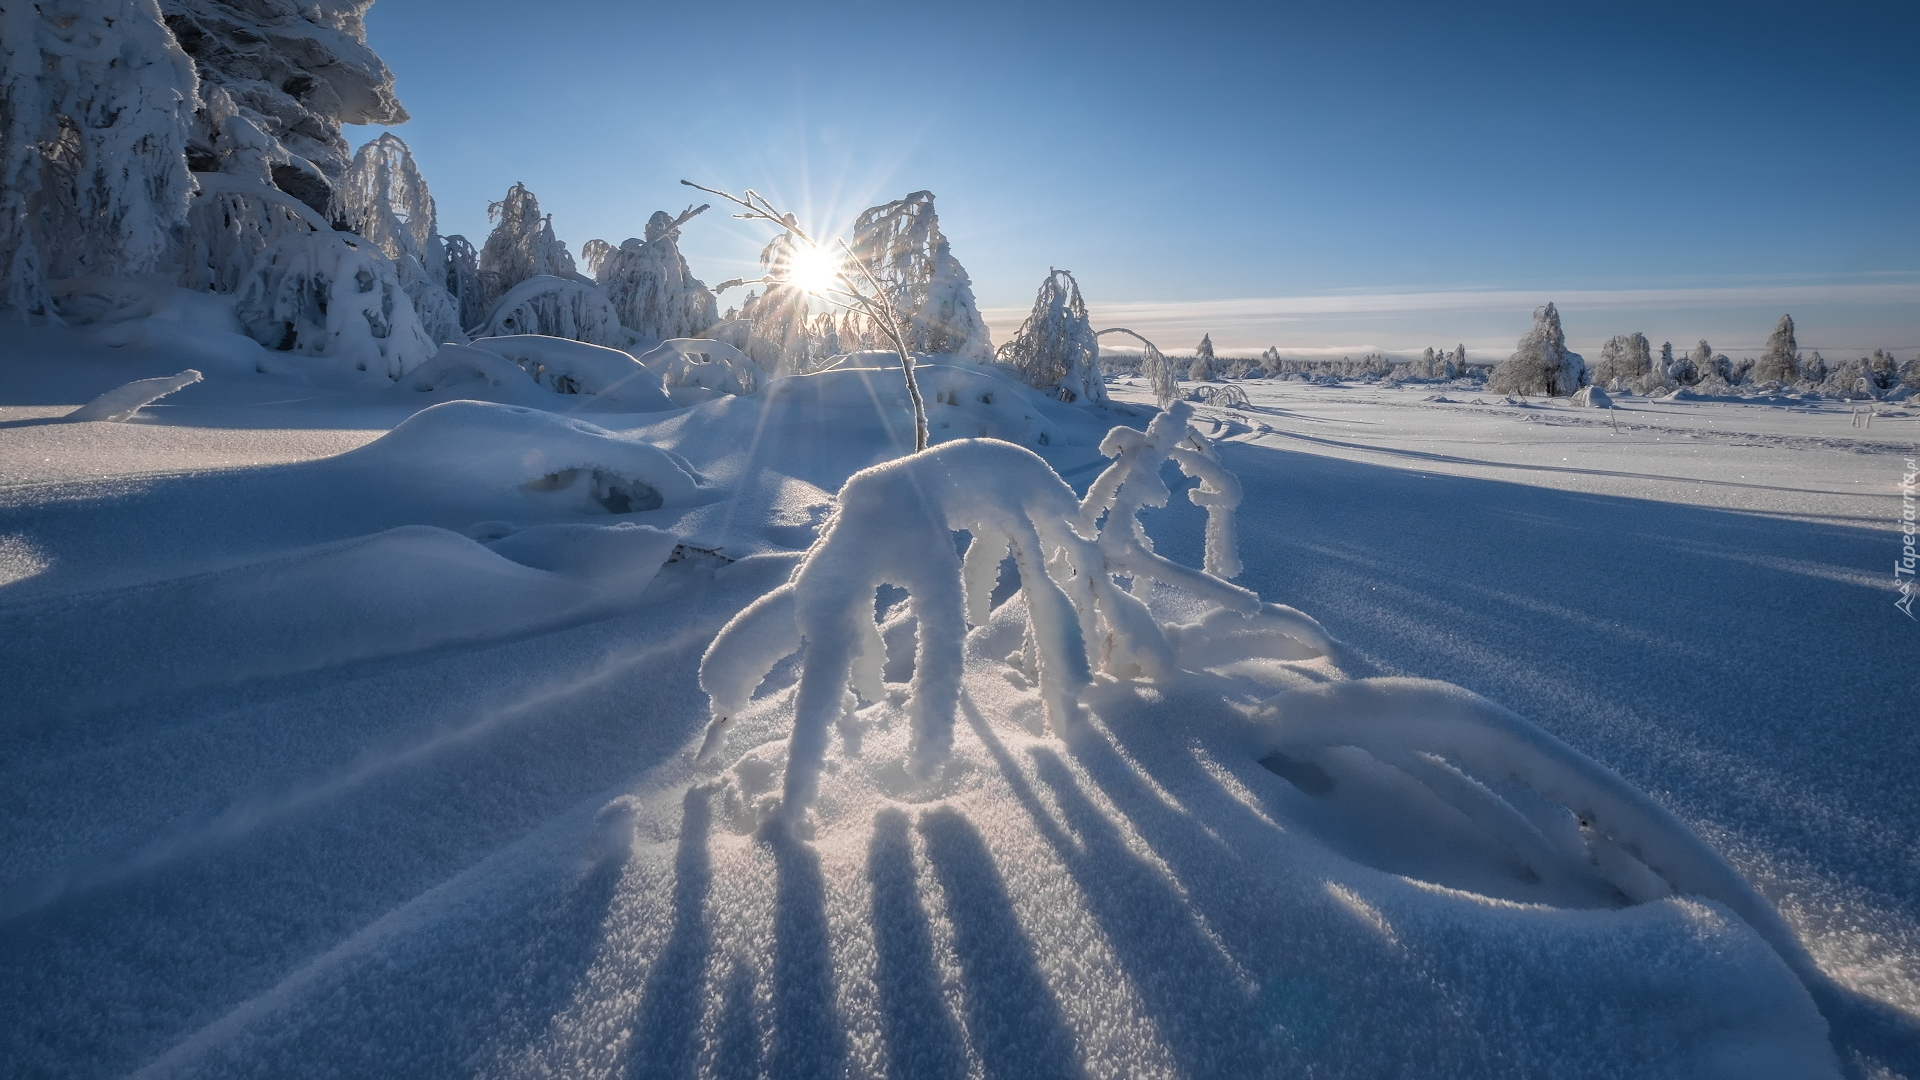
x: 813, y: 269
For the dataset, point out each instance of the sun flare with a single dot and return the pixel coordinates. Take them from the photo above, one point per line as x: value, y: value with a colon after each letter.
x: 812, y: 268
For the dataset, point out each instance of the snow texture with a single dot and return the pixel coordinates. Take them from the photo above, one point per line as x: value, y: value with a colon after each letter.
x: 122, y: 402
x: 94, y: 98
x: 1055, y: 350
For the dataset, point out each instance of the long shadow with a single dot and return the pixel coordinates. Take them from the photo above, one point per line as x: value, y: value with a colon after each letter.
x: 736, y: 1034
x: 1015, y: 1022
x: 922, y: 1040
x: 666, y: 1040
x: 809, y: 1040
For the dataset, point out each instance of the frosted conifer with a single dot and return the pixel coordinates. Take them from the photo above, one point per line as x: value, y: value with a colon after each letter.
x: 383, y: 197
x: 463, y: 280
x: 1626, y: 357
x: 95, y: 103
x: 1541, y: 364
x: 1781, y: 361
x: 1055, y: 350
x: 521, y: 246
x: 1204, y: 363
x: 903, y: 248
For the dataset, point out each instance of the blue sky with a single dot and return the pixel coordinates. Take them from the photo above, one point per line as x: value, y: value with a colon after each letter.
x: 1302, y: 175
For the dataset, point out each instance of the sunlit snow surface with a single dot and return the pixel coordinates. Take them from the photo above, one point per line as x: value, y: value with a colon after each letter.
x: 365, y: 766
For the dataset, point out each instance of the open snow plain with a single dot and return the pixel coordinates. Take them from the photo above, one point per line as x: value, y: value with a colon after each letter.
x: 342, y: 739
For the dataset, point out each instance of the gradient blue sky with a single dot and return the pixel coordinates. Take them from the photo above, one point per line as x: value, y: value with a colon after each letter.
x: 1303, y: 175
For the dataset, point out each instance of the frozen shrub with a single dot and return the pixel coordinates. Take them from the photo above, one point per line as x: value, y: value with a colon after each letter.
x: 95, y: 102
x: 1055, y: 350
x: 383, y: 197
x: 1627, y: 357
x: 1204, y: 365
x: 463, y: 280
x: 1541, y: 364
x: 333, y: 295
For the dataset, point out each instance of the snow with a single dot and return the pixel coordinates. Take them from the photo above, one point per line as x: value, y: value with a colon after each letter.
x: 122, y: 402
x: 354, y: 728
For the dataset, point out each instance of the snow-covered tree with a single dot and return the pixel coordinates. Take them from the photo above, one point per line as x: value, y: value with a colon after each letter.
x: 521, y: 246
x: 1814, y: 368
x: 1781, y: 361
x: 463, y: 280
x: 651, y: 287
x: 901, y: 245
x: 1055, y: 350
x: 1542, y: 363
x: 556, y: 307
x: 1459, y: 362
x: 280, y: 77
x: 1626, y: 357
x: 333, y: 295
x: 383, y: 197
x: 593, y: 253
x: 1204, y: 365
x: 95, y: 104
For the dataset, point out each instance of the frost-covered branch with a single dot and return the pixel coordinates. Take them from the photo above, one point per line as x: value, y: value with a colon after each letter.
x: 894, y: 527
x: 1153, y: 364
x: 871, y: 301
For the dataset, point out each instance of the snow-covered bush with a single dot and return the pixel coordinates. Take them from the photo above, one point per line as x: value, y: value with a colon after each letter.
x: 1055, y: 350
x: 95, y: 100
x: 463, y: 280
x: 290, y: 72
x: 652, y: 290
x: 333, y: 295
x: 383, y: 197
x: 1781, y: 361
x: 702, y: 362
x: 592, y: 254
x: 231, y: 224
x: 521, y: 246
x: 555, y: 307
x: 1542, y: 363
x: 777, y: 321
x: 893, y: 527
x: 912, y: 263
x: 1204, y: 364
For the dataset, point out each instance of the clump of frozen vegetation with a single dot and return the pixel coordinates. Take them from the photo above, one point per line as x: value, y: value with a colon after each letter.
x: 1781, y: 361
x: 384, y: 198
x: 901, y: 245
x: 1542, y: 363
x: 562, y: 307
x: 521, y: 246
x: 463, y: 280
x: 648, y: 282
x: 1624, y: 359
x: 333, y: 295
x: 95, y: 96
x: 893, y: 527
x: 1055, y: 350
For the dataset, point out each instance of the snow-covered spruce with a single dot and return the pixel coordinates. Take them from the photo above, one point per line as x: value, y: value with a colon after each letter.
x: 1055, y: 351
x: 333, y: 295
x: 1542, y: 363
x: 384, y: 198
x: 95, y: 98
x: 1781, y: 361
x: 1204, y: 363
x: 463, y: 280
x: 911, y: 261
x: 894, y: 526
x: 651, y: 288
x: 279, y: 78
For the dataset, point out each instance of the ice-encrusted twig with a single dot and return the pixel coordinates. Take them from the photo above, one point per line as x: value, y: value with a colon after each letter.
x: 122, y: 402
x: 1159, y: 371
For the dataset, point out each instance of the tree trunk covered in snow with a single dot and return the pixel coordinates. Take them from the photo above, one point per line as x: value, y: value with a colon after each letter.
x: 95, y: 98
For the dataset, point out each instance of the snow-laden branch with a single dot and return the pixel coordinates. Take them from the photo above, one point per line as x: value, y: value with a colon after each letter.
x: 894, y: 527
x: 1153, y: 364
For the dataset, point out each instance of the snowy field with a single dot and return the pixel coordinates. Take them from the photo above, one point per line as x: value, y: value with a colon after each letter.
x: 344, y: 739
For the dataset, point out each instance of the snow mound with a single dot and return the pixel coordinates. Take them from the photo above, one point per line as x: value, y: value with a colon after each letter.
x: 473, y: 450
x: 1592, y: 397
x: 565, y: 366
x: 704, y: 364
x: 122, y: 402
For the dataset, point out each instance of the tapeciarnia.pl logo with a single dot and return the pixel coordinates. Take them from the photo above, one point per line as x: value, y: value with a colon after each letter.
x: 1903, y: 567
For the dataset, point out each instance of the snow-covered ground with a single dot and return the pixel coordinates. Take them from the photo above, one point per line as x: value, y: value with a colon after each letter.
x: 339, y: 749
